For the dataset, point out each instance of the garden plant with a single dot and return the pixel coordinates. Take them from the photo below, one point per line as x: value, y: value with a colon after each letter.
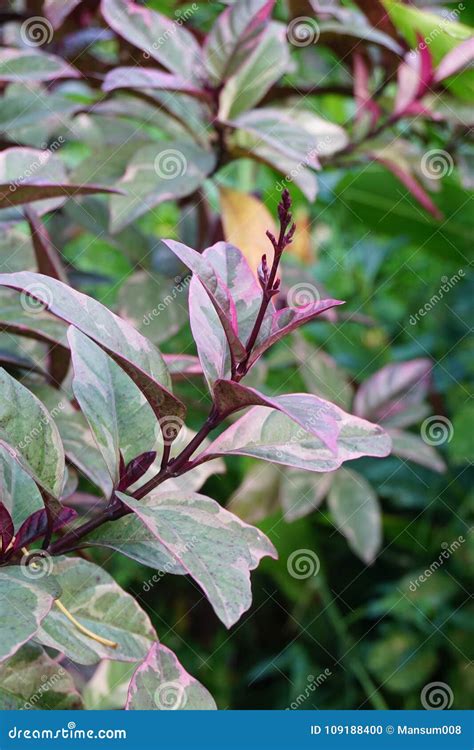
x: 234, y: 359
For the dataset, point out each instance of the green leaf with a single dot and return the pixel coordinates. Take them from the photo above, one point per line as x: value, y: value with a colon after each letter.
x: 132, y: 351
x: 355, y: 509
x: 148, y: 78
x: 393, y: 394
x: 25, y: 601
x: 259, y: 494
x: 374, y: 200
x: 303, y: 492
x: 440, y: 34
x: 167, y: 41
x: 107, y: 689
x: 162, y: 684
x: 29, y: 320
x: 18, y: 491
x: 215, y: 547
x: 297, y: 134
x: 132, y: 538
x: 99, y: 604
x: 29, y: 432
x: 17, y: 165
x: 401, y: 660
x: 272, y: 436
x: 156, y: 173
x: 28, y: 65
x: 80, y: 447
x: 26, y: 107
x: 31, y: 680
x: 264, y: 66
x: 412, y: 447
x: 118, y: 414
x: 321, y: 374
x: 234, y: 36
x: 155, y: 305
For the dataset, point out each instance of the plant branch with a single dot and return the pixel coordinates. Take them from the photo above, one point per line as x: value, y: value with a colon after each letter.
x: 181, y: 464
x: 268, y: 279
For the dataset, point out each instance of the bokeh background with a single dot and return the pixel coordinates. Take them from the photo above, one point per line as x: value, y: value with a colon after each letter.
x: 369, y: 604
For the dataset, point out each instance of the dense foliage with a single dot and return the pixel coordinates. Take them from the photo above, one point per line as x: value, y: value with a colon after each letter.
x: 277, y: 196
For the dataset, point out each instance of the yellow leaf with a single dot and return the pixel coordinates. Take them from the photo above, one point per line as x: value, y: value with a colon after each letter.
x: 301, y: 246
x: 245, y: 220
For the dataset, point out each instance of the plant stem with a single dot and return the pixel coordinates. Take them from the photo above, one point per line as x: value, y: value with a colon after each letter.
x: 181, y: 464
x: 176, y: 467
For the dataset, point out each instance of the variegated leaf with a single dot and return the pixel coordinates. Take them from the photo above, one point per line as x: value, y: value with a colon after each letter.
x: 132, y: 351
x: 99, y: 604
x: 161, y: 683
x: 215, y: 547
x: 29, y: 433
x: 25, y: 600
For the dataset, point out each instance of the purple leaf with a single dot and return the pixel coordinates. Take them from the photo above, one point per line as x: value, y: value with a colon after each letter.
x: 182, y: 366
x: 412, y: 447
x: 235, y: 275
x: 143, y: 78
x: 132, y: 351
x: 232, y: 267
x: 135, y: 469
x: 315, y: 415
x: 362, y: 94
x: 167, y: 41
x: 6, y: 529
x: 209, y: 335
x: 411, y: 184
x: 414, y: 77
x: 58, y: 10
x: 458, y: 58
x: 234, y: 36
x: 28, y: 192
x: 425, y: 66
x: 272, y: 436
x: 288, y: 319
x: 282, y: 131
x: 160, y: 683
x: 394, y: 391
x: 218, y: 292
x: 36, y: 526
